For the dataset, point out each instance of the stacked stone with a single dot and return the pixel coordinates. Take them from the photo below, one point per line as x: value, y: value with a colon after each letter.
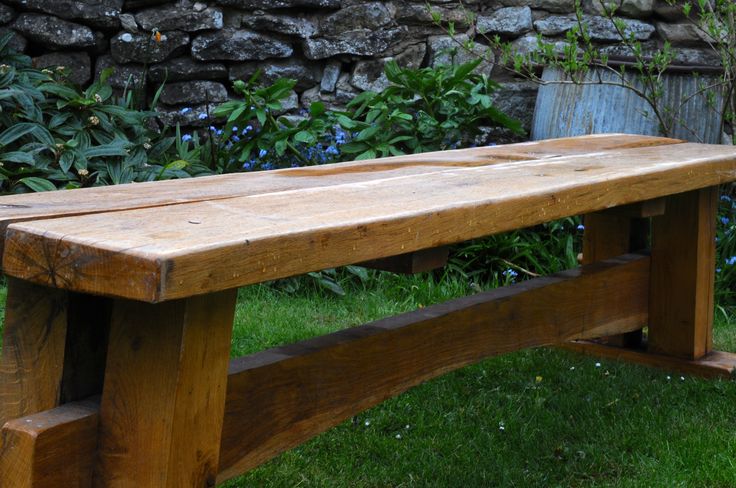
x: 334, y: 48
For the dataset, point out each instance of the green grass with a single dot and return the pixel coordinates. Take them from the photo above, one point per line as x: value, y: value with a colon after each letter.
x: 494, y: 424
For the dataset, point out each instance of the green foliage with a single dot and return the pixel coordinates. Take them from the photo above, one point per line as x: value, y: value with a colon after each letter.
x: 726, y: 250
x: 55, y: 135
x: 258, y: 136
x: 423, y: 110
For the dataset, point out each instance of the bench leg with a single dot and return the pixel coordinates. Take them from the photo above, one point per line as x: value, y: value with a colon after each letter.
x: 163, y: 399
x: 32, y: 359
x: 680, y: 331
x: 607, y: 235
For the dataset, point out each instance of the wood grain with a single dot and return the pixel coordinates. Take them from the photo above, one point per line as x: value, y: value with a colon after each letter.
x: 197, y: 248
x: 683, y: 273
x: 279, y: 398
x: 54, y: 448
x: 33, y: 206
x: 163, y: 399
x: 32, y: 359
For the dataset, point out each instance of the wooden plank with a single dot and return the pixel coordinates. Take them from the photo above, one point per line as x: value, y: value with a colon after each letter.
x: 163, y: 399
x: 32, y: 206
x: 54, y: 448
x: 683, y: 273
x: 197, y: 248
x: 279, y: 398
x: 33, y: 349
x: 715, y: 364
x: 413, y: 262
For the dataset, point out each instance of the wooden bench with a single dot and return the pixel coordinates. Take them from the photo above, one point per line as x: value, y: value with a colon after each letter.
x: 115, y: 366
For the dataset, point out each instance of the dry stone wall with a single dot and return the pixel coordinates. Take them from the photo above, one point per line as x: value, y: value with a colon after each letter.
x: 334, y: 48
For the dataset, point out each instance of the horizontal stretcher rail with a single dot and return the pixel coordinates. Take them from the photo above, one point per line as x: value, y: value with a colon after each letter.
x: 279, y: 398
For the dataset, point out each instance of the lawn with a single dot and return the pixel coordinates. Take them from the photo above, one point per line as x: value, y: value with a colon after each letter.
x: 536, y: 418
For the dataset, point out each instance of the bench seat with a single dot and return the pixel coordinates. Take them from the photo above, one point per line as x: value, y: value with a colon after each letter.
x: 294, y: 221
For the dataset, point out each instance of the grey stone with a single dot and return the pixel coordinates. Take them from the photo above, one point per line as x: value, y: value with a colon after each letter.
x: 267, y: 4
x: 329, y: 77
x: 667, y: 11
x: 517, y: 100
x: 370, y: 75
x: 239, y: 45
x: 289, y: 103
x: 600, y: 28
x: 283, y: 24
x: 54, y: 32
x: 143, y: 48
x: 681, y: 34
x: 173, y: 17
x: 418, y: 13
x: 128, y: 23
x: 371, y: 16
x: 185, y: 68
x: 127, y: 76
x: 6, y: 14
x: 193, y: 93
x: 557, y: 6
x: 529, y: 44
x: 683, y: 55
x: 97, y: 13
x: 630, y: 8
x: 344, y: 91
x: 307, y: 73
x: 78, y: 65
x: 444, y: 50
x: 507, y: 22
x: 359, y: 42
x: 17, y: 42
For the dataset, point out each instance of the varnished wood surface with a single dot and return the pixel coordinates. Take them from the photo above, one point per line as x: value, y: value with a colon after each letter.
x: 175, y: 251
x: 32, y: 361
x: 683, y: 273
x: 163, y: 398
x: 279, y: 398
x: 50, y: 449
x: 15, y: 208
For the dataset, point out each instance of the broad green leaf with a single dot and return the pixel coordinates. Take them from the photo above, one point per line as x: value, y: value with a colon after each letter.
x: 37, y: 184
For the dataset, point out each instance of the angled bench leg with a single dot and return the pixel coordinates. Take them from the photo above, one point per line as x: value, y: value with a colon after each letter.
x: 681, y: 292
x: 163, y: 399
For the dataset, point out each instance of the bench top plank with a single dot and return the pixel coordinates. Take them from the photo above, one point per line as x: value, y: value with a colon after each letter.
x: 157, y: 254
x: 32, y: 206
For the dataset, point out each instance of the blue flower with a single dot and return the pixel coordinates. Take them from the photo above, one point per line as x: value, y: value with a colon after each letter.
x: 726, y: 198
x: 510, y: 273
x: 247, y: 129
x: 186, y: 138
x: 202, y: 116
x: 212, y: 128
x: 185, y: 110
x: 248, y: 165
x: 219, y: 132
x: 332, y: 150
x: 581, y: 227
x: 731, y: 261
x: 262, y: 153
x: 235, y: 138
x: 725, y: 220
x: 268, y: 166
x: 235, y: 128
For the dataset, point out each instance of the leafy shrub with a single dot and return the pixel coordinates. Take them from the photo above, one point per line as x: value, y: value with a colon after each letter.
x: 726, y: 250
x: 426, y: 109
x: 55, y: 135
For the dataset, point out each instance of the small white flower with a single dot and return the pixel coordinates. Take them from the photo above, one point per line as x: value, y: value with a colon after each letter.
x: 572, y: 368
x: 668, y: 378
x: 597, y: 365
x: 398, y: 436
x: 682, y: 378
x: 367, y: 423
x: 501, y: 427
x: 98, y: 98
x: 407, y: 427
